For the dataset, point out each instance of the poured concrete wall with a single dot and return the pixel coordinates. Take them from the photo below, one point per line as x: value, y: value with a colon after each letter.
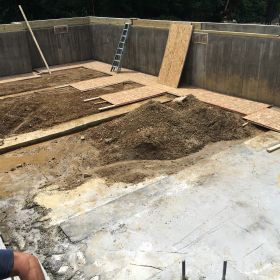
x: 227, y: 58
x: 18, y: 53
x: 246, y: 28
x: 61, y: 48
x: 144, y: 49
x: 241, y: 66
x: 14, y: 54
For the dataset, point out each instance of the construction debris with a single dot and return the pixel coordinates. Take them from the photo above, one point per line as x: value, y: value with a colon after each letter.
x: 273, y: 148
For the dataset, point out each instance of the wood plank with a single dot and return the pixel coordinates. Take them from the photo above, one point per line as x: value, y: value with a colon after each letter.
x: 99, y: 82
x: 132, y: 95
x: 175, y: 54
x: 268, y: 118
x: 230, y: 103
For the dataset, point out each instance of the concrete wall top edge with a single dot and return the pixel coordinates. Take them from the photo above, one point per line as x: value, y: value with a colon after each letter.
x: 38, y: 24
x: 257, y: 30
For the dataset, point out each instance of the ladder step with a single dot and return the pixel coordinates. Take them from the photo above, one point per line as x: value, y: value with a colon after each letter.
x: 116, y: 65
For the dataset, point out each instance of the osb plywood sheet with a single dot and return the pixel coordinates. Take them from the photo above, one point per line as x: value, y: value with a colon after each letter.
x: 99, y: 82
x: 106, y: 68
x: 132, y: 95
x: 175, y: 54
x: 235, y: 104
x: 19, y: 77
x: 268, y: 118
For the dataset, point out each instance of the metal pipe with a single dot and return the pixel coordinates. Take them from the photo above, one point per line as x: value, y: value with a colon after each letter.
x: 224, y: 270
x: 183, y: 270
x: 34, y: 39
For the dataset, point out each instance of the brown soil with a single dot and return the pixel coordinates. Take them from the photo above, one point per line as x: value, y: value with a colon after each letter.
x: 49, y: 107
x: 61, y: 77
x: 163, y: 132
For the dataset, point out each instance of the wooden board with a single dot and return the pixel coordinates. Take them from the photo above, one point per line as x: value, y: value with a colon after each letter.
x: 132, y: 95
x: 268, y: 118
x: 234, y: 104
x: 175, y: 54
x: 99, y: 82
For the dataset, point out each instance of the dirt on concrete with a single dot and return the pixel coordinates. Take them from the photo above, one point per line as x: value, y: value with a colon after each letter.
x: 163, y: 132
x: 57, y: 78
x: 49, y: 107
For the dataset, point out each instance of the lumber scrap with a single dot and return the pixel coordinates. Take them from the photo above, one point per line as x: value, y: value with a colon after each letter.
x: 132, y: 95
x: 91, y: 99
x: 273, y: 148
x: 268, y: 118
x: 175, y: 54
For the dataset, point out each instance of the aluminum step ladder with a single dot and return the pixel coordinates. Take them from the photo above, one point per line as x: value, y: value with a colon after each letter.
x: 117, y: 62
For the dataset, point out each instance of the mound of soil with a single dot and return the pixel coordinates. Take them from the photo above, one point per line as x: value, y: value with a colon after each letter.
x: 38, y: 110
x: 160, y: 132
x: 58, y: 77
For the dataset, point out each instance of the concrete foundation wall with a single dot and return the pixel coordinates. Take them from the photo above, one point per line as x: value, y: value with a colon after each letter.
x: 227, y: 58
x: 14, y: 54
x: 61, y: 48
x: 18, y: 53
x: 247, y: 28
x: 144, y: 49
x: 241, y: 66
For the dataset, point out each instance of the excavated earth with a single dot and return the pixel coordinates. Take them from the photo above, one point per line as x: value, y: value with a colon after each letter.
x: 153, y: 140
x: 21, y: 114
x: 57, y: 78
x: 163, y: 132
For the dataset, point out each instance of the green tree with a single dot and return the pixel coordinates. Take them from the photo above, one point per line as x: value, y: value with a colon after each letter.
x: 260, y: 11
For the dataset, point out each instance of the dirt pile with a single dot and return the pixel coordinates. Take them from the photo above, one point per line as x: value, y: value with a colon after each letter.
x: 157, y: 131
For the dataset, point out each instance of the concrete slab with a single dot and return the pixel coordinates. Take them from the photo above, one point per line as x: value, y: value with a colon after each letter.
x: 80, y: 227
x: 225, y: 207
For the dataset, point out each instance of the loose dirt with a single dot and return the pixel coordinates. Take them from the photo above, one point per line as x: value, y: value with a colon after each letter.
x: 163, y: 132
x: 49, y: 107
x: 57, y: 78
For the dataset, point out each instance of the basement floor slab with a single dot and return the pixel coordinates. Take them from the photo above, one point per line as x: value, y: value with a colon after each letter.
x: 224, y: 207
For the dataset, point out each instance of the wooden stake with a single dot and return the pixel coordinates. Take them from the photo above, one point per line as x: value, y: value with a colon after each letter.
x: 34, y: 39
x: 91, y: 99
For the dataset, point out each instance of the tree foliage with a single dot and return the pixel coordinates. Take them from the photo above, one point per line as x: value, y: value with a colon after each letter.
x: 253, y: 11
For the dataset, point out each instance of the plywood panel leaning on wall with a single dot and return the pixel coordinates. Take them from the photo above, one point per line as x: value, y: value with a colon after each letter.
x: 175, y: 54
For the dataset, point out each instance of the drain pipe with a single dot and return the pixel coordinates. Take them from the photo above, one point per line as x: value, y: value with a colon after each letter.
x: 224, y: 270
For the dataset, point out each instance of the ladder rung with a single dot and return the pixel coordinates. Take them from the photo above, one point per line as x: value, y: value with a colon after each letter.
x: 116, y: 65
